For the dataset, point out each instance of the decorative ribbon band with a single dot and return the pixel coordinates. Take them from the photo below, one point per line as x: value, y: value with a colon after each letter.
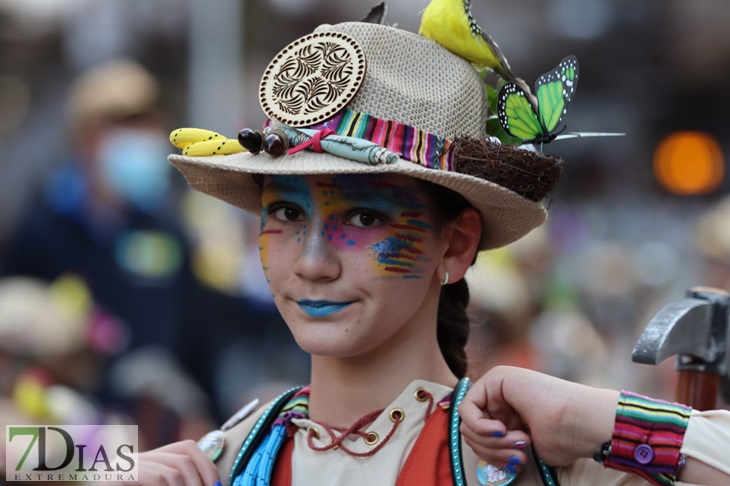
x: 411, y: 143
x: 297, y: 407
x: 325, y: 140
x: 647, y: 438
x: 260, y: 466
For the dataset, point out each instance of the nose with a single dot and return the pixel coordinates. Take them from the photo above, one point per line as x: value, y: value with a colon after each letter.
x: 318, y: 260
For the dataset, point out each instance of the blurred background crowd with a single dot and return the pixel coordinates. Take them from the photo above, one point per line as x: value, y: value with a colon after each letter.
x: 125, y: 296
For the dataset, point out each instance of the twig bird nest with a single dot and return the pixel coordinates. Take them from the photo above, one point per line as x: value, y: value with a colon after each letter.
x: 530, y: 174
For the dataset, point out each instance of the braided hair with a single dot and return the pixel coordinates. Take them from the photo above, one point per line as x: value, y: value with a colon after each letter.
x: 452, y: 329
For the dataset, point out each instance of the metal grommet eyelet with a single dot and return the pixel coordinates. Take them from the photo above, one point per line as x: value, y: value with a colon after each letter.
x: 314, y: 433
x: 421, y: 394
x: 396, y: 415
x: 372, y: 438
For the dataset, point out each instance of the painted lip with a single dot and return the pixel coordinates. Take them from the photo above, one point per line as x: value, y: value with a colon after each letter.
x: 321, y: 308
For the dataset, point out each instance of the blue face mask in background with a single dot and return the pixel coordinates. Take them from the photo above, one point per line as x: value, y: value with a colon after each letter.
x: 133, y: 164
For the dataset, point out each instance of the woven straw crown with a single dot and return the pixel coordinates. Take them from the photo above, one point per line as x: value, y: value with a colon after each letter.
x: 411, y: 80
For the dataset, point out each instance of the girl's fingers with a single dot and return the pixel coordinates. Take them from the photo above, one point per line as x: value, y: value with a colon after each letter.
x: 513, y: 439
x: 485, y: 401
x: 160, y: 474
x: 205, y: 467
x: 502, y: 458
x: 508, y: 451
x: 181, y: 463
x: 483, y: 427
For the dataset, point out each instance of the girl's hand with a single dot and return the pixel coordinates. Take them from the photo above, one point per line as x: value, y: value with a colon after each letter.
x: 509, y: 408
x: 180, y: 464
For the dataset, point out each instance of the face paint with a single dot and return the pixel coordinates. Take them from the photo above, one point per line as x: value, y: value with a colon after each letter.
x: 396, y: 244
x: 402, y: 244
x: 292, y: 189
x: 401, y: 252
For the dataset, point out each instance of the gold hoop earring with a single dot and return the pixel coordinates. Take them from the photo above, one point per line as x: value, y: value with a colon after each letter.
x: 446, y: 279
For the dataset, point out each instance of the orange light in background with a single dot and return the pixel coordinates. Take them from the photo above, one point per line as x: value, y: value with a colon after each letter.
x: 689, y: 163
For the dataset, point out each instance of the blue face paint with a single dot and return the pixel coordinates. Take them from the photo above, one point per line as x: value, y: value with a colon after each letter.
x: 292, y: 189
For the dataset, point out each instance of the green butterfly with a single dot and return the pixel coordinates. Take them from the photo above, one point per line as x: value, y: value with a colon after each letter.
x: 518, y: 114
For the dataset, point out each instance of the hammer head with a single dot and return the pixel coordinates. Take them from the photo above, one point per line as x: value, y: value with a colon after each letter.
x: 695, y: 329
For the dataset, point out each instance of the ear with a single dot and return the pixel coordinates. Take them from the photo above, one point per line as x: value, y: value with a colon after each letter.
x: 462, y: 241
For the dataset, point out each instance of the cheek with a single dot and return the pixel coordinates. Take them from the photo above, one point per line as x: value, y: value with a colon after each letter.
x: 266, y: 248
x: 275, y: 245
x: 403, y: 250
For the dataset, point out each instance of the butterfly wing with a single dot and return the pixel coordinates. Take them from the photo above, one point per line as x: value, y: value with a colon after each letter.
x: 555, y: 91
x: 518, y: 115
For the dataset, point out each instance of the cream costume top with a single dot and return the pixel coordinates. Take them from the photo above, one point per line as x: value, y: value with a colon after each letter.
x: 707, y: 438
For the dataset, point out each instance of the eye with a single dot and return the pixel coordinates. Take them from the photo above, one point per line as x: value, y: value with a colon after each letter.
x: 287, y: 213
x: 365, y: 219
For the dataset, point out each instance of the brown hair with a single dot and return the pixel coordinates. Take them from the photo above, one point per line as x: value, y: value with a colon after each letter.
x: 452, y: 329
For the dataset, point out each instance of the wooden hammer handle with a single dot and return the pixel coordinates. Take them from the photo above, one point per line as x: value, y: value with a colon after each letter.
x: 698, y: 389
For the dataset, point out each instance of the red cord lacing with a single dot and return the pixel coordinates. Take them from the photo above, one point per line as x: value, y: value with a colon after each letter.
x: 336, y: 441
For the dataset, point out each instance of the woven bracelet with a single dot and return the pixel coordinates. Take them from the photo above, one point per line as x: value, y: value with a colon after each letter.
x: 647, y: 438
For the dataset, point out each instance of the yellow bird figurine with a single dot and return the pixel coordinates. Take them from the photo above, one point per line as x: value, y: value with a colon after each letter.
x: 450, y: 23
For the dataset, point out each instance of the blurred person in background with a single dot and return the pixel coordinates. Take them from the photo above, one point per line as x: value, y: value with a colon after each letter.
x: 521, y: 314
x: 53, y: 340
x: 106, y: 215
x: 500, y: 316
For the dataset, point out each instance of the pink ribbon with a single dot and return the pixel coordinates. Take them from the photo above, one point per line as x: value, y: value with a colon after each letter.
x: 314, y: 142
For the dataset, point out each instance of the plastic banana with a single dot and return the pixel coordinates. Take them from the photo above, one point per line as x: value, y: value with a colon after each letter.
x: 198, y: 142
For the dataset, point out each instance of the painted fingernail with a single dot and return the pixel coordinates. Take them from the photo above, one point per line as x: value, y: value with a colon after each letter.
x: 218, y: 483
x: 497, y: 434
x: 520, y: 444
x: 511, y: 468
x: 514, y: 460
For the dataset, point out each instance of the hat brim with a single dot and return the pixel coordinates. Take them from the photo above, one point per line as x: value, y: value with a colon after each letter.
x: 506, y: 216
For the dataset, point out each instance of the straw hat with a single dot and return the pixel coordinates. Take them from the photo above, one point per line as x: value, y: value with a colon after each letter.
x: 397, y: 90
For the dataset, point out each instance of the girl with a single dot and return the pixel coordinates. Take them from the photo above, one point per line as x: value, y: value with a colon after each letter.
x: 376, y: 186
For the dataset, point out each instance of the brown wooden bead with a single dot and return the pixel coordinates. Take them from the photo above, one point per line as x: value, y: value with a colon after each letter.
x: 274, y: 144
x: 251, y: 140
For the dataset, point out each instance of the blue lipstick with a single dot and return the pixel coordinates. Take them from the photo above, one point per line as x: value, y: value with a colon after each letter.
x: 321, y: 308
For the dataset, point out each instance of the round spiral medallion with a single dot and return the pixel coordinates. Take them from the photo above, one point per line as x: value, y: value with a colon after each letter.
x: 312, y: 78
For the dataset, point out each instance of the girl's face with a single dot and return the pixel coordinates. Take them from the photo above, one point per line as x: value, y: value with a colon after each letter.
x: 351, y: 260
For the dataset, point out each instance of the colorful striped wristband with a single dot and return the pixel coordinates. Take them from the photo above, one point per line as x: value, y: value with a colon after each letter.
x: 647, y: 438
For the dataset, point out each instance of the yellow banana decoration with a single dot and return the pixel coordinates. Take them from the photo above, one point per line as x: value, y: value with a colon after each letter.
x: 223, y: 146
x: 197, y: 142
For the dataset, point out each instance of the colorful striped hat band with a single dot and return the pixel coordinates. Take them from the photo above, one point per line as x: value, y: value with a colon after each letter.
x: 403, y: 141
